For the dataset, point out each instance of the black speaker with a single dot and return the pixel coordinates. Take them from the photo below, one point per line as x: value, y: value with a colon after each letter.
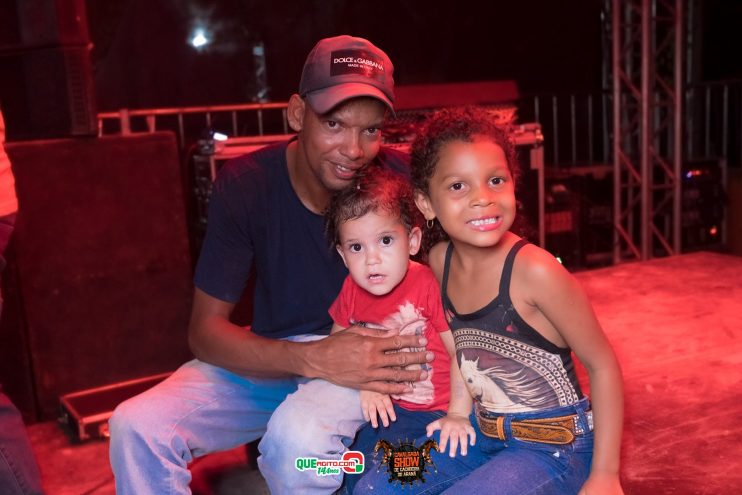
x: 42, y: 23
x: 46, y: 81
x: 101, y: 266
x: 47, y: 93
x: 703, y: 204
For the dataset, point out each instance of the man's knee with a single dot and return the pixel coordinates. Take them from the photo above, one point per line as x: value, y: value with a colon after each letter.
x: 134, y: 417
x: 288, y: 431
x: 306, y: 425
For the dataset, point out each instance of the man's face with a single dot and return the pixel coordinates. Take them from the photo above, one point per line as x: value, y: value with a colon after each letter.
x: 335, y: 146
x: 376, y: 249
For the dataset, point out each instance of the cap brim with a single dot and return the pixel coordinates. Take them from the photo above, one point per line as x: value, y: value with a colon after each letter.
x: 324, y: 100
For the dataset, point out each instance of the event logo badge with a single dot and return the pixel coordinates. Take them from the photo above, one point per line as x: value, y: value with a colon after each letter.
x: 406, y: 463
x: 352, y: 462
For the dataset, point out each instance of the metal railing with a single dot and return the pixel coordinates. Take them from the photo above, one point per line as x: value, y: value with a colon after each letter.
x: 714, y: 121
x: 577, y: 127
x: 190, y: 123
x: 578, y: 139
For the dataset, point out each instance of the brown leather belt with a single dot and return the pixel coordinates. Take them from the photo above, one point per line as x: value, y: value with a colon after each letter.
x: 561, y: 430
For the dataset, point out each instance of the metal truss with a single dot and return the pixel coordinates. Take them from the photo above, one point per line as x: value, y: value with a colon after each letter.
x: 647, y: 74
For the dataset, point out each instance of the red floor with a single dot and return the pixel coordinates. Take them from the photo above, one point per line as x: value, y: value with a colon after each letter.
x: 675, y: 324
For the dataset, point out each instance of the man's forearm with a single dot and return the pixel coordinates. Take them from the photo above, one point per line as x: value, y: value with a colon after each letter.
x: 357, y: 359
x: 239, y: 350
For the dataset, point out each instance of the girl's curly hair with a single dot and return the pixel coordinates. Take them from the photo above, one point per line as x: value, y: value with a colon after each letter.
x: 455, y: 124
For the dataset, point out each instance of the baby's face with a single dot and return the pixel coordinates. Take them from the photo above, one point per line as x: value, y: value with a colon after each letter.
x: 376, y: 249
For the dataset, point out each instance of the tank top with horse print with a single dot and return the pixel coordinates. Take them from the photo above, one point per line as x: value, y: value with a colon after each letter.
x: 507, y: 365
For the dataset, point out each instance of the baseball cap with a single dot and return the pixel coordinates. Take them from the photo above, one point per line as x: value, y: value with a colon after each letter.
x: 345, y: 67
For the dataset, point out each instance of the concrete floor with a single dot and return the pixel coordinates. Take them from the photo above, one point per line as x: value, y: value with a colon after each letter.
x: 675, y: 324
x: 70, y: 468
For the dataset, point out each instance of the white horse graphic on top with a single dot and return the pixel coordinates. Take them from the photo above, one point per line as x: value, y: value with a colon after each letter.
x: 495, y: 388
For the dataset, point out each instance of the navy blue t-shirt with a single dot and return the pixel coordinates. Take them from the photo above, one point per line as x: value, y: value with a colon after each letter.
x: 256, y: 217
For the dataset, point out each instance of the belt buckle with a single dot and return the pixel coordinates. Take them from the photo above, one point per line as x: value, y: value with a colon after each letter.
x: 579, y: 430
x: 494, y: 427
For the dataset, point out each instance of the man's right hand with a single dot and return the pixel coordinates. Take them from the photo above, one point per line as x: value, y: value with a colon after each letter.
x: 359, y: 358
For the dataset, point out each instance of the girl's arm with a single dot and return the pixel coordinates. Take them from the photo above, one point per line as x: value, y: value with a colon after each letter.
x: 561, y: 299
x: 455, y: 427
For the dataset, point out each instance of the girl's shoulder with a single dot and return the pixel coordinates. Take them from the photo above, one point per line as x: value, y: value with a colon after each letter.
x: 535, y: 264
x: 437, y: 258
x: 539, y: 277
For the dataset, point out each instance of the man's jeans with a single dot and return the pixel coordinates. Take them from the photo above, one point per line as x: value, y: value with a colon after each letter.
x: 199, y: 409
x: 19, y: 473
x: 494, y: 466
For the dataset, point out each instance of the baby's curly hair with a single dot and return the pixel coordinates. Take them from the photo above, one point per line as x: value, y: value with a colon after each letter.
x: 456, y: 124
x: 376, y: 189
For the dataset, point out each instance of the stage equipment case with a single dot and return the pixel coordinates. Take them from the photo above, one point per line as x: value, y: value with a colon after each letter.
x: 85, y: 414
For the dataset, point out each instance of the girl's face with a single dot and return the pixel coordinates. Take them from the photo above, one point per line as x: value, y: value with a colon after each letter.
x: 471, y: 192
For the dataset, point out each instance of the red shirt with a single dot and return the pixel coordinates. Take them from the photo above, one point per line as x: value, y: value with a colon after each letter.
x: 412, y: 308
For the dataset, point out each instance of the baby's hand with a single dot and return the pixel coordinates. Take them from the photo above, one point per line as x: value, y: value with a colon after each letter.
x: 374, y: 404
x: 455, y: 429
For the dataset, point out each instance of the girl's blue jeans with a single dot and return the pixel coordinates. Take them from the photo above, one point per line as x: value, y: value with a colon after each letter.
x: 504, y: 467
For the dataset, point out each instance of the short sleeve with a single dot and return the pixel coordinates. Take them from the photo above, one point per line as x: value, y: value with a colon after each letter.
x: 434, y: 305
x: 227, y: 252
x: 341, y: 309
x: 8, y: 200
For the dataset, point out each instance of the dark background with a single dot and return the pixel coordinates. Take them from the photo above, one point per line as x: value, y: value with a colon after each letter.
x: 141, y: 57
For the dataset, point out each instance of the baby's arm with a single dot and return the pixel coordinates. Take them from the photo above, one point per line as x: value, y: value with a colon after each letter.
x: 455, y: 426
x: 375, y: 406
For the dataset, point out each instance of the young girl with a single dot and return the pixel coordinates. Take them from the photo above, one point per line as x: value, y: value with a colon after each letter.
x: 516, y: 315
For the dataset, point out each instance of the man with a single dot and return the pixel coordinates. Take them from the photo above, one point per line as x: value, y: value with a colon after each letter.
x: 265, y: 212
x: 19, y: 473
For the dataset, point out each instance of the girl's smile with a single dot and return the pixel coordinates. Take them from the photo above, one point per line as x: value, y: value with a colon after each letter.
x: 486, y: 224
x: 472, y: 192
